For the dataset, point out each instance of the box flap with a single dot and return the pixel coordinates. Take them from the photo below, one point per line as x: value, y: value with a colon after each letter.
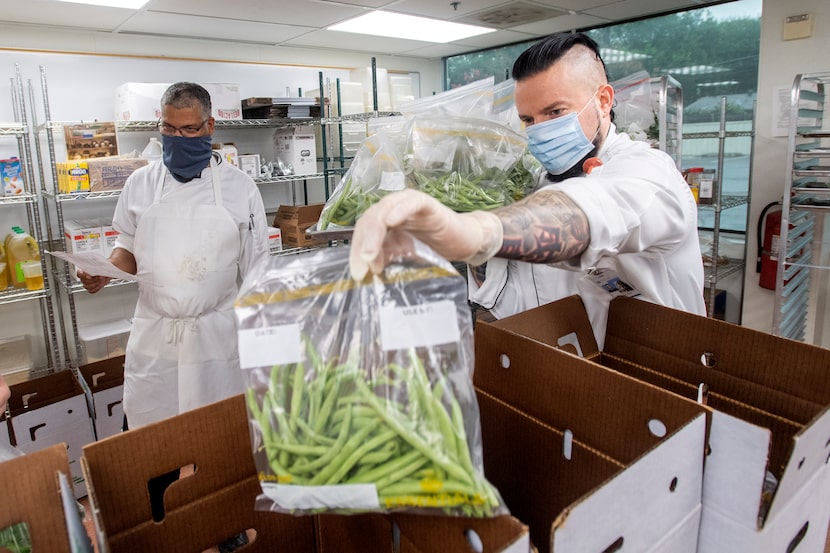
x: 203, y: 509
x: 42, y: 391
x: 563, y: 324
x: 104, y: 374
x: 31, y: 483
x: 606, y: 410
x: 298, y: 214
x: 421, y: 534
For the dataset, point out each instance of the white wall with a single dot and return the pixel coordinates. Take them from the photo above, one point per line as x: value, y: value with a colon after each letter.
x: 780, y: 62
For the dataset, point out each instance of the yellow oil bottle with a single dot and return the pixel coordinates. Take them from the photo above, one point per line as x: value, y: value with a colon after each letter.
x: 4, y: 268
x: 20, y: 248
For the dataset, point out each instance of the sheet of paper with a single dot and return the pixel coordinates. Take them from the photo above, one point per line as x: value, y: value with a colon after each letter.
x: 95, y: 264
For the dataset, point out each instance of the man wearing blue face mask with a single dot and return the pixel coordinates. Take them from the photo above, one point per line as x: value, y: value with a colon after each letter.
x: 190, y: 226
x: 631, y: 220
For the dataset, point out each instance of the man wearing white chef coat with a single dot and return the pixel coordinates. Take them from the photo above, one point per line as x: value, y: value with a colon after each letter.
x: 610, y: 210
x: 190, y: 226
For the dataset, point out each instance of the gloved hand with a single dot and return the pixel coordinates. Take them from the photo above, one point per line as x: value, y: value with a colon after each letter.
x: 382, y: 232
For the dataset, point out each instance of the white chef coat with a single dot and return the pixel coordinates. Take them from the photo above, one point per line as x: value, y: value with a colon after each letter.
x: 643, y: 226
x: 182, y: 350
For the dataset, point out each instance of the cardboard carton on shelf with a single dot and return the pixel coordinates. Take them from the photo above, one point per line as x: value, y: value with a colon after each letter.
x: 587, y: 457
x: 294, y: 220
x: 31, y: 496
x: 50, y: 410
x: 770, y: 400
x: 297, y: 146
x: 217, y: 501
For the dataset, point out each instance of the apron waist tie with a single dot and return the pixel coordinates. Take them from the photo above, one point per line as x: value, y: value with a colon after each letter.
x: 176, y: 329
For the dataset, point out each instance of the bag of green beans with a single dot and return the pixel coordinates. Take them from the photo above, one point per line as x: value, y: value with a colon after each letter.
x: 360, y: 394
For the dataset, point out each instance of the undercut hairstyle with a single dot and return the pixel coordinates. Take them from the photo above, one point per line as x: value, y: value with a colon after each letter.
x: 188, y: 95
x: 549, y: 50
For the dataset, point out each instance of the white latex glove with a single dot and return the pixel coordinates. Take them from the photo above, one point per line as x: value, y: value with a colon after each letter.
x: 383, y: 232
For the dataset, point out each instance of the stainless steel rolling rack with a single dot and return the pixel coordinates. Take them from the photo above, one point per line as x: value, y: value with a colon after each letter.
x: 19, y: 130
x: 803, y: 265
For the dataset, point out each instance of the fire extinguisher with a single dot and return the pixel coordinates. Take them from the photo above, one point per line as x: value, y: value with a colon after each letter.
x: 769, y: 230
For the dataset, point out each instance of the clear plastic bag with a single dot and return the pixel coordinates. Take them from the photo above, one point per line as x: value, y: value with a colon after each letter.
x: 470, y: 100
x: 634, y: 113
x: 465, y: 163
x: 360, y: 395
x: 377, y: 169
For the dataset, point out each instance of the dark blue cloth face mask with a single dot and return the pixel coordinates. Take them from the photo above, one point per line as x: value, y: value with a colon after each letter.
x: 184, y: 156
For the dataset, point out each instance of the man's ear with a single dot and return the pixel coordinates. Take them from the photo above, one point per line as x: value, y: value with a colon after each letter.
x: 606, y: 98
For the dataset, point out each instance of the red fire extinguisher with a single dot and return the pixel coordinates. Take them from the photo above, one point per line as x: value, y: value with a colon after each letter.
x: 769, y: 227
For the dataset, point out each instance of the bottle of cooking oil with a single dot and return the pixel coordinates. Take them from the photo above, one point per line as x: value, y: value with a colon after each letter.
x: 20, y: 247
x: 4, y: 268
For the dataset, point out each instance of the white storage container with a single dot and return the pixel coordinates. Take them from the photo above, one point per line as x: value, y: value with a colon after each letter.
x: 104, y: 340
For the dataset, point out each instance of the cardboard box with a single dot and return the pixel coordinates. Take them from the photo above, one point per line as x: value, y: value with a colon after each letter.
x: 81, y: 237
x: 51, y: 410
x: 294, y: 220
x: 107, y: 174
x: 142, y: 101
x: 250, y: 165
x: 11, y: 175
x: 225, y: 100
x: 274, y: 239
x: 589, y: 458
x: 297, y: 146
x: 103, y: 383
x: 771, y: 410
x: 31, y: 496
x: 139, y: 101
x: 217, y: 501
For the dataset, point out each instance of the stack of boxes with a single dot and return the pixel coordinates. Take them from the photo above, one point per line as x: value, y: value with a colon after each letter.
x: 294, y: 220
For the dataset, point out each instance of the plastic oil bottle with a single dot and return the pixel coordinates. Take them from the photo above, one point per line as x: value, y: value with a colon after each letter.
x: 4, y: 268
x: 153, y: 150
x: 21, y: 247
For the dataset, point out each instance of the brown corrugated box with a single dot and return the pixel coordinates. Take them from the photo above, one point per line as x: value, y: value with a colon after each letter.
x: 110, y: 173
x: 31, y: 495
x: 294, y: 220
x: 576, y: 450
x: 770, y: 400
x: 217, y: 501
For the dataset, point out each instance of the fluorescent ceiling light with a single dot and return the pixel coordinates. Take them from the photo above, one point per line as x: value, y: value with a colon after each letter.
x: 128, y: 4
x: 397, y: 25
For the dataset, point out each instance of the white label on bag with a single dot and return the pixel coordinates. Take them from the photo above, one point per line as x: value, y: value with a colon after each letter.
x: 272, y: 345
x: 423, y: 325
x: 392, y: 181
x: 339, y: 496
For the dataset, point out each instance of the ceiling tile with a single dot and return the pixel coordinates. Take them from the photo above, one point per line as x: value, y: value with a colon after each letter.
x: 50, y: 12
x: 630, y: 9
x: 442, y: 9
x: 211, y: 27
x: 308, y: 13
x: 558, y: 24
x: 356, y: 42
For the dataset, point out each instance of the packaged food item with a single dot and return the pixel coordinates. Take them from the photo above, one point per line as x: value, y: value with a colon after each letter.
x: 12, y: 177
x: 360, y: 394
x: 707, y: 187
x: 693, y: 178
x: 20, y: 247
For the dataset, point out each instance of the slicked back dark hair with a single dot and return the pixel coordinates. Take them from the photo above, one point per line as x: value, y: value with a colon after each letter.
x: 544, y: 53
x: 185, y: 95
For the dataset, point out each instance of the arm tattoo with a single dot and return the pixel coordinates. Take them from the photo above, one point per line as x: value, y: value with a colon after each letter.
x: 543, y: 228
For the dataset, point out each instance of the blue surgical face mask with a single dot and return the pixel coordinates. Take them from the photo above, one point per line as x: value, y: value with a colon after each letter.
x: 184, y: 156
x: 560, y: 143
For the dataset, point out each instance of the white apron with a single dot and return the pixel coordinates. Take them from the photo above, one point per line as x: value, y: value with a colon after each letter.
x: 182, y: 351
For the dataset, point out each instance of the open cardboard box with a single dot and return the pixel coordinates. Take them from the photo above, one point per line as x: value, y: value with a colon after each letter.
x: 31, y: 495
x: 771, y: 412
x: 592, y: 460
x: 51, y: 410
x: 103, y: 383
x: 217, y: 500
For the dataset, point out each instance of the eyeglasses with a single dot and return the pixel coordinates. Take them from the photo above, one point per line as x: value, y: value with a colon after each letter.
x: 188, y: 131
